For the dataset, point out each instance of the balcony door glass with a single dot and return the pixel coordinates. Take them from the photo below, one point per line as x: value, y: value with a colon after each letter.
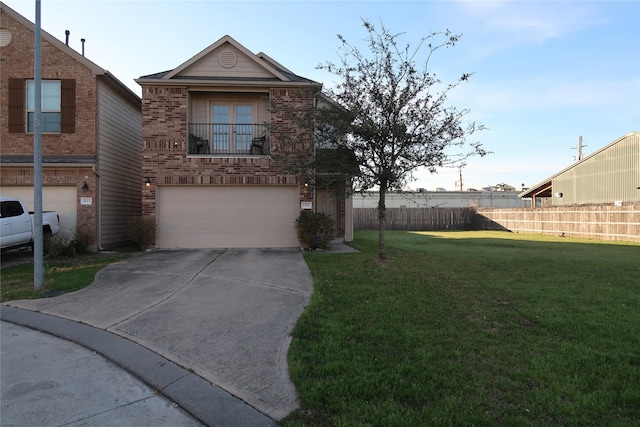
x: 244, y: 127
x: 221, y: 128
x: 232, y: 127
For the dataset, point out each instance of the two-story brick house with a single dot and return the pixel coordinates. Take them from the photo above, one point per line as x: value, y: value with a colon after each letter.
x: 221, y: 152
x: 91, y: 140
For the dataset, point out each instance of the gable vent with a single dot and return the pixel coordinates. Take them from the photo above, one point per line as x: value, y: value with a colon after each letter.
x: 5, y: 37
x: 228, y: 59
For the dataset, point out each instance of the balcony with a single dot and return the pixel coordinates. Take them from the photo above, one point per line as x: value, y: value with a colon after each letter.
x: 227, y: 139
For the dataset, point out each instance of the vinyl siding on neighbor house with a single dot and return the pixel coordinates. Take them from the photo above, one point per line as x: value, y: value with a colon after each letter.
x: 119, y: 168
x: 100, y: 116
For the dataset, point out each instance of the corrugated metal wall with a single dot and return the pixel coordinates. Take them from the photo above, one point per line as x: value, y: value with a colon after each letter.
x: 610, y: 175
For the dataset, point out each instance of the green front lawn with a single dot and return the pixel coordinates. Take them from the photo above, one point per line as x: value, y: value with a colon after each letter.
x: 471, y: 328
x: 61, y: 275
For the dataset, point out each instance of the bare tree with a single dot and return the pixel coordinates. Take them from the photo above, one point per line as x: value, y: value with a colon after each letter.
x: 393, y: 111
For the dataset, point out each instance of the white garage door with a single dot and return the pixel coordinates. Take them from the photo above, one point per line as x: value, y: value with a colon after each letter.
x: 61, y: 199
x: 227, y: 216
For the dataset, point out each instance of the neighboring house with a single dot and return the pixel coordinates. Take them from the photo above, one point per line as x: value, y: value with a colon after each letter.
x: 91, y: 142
x: 611, y: 175
x: 222, y: 156
x: 441, y: 199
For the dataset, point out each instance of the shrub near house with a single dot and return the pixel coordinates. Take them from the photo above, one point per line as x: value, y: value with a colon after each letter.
x: 315, y: 229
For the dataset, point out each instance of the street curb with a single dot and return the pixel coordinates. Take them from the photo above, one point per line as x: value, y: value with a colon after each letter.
x: 208, y: 403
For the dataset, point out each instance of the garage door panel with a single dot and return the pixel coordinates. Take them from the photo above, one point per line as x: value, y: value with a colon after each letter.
x: 59, y: 198
x: 226, y: 216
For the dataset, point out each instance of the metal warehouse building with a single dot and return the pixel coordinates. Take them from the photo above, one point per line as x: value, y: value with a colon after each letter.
x: 609, y: 175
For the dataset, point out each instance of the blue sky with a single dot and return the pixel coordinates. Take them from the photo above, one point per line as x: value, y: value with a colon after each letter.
x: 545, y: 72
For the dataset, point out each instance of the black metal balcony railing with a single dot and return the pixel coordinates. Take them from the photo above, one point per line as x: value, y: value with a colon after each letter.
x: 228, y: 139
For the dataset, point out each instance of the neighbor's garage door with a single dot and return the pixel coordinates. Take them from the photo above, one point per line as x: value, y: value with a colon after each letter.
x: 227, y: 216
x: 61, y: 199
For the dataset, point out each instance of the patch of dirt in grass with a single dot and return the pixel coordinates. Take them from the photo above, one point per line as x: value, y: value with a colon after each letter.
x: 528, y: 322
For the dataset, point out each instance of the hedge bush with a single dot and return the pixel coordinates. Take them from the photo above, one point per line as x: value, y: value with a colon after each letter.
x: 315, y: 229
x: 142, y: 231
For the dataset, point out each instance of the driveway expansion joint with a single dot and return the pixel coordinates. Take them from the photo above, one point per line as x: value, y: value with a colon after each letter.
x: 205, y: 337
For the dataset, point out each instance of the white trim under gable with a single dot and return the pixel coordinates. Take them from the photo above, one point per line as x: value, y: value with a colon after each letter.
x: 273, y: 62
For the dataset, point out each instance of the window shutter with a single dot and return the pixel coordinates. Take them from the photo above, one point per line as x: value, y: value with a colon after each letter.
x: 68, y: 106
x: 16, y: 106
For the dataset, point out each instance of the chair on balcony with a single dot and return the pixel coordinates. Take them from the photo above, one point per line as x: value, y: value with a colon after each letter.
x: 258, y: 143
x: 198, y: 145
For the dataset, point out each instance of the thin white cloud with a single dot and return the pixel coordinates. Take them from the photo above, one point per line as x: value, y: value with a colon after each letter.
x: 542, y: 92
x: 509, y: 24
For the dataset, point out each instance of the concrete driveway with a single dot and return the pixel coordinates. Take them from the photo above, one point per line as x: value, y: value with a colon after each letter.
x: 225, y: 315
x: 15, y: 257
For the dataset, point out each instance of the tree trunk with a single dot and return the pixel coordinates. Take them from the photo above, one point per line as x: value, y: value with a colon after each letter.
x: 382, y: 214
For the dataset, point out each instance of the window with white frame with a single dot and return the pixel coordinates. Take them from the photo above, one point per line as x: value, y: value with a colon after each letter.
x: 51, y: 106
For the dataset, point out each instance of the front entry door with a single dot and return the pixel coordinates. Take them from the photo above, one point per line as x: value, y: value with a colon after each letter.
x: 232, y: 127
x: 327, y: 203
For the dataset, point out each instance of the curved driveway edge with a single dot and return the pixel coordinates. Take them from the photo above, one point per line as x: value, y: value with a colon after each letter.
x: 225, y: 315
x: 209, y: 404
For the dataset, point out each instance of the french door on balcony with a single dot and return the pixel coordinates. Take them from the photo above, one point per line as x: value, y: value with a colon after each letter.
x: 232, y: 126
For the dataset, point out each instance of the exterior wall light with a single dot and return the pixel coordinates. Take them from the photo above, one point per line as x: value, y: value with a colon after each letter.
x: 85, y: 187
x: 559, y: 195
x: 147, y: 182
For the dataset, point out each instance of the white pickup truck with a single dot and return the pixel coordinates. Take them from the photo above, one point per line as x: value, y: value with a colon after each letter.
x: 16, y: 224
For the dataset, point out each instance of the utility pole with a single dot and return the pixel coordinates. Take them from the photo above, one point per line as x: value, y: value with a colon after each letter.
x: 38, y: 244
x: 460, y: 171
x: 580, y: 146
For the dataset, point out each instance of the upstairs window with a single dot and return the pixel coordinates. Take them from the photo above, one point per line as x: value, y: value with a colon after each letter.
x: 58, y: 99
x: 50, y: 96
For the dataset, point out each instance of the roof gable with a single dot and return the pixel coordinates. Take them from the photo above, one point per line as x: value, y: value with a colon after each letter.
x: 81, y: 59
x: 226, y: 58
x: 52, y: 40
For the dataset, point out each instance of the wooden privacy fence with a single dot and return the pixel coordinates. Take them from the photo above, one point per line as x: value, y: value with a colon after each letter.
x: 415, y: 219
x: 600, y: 222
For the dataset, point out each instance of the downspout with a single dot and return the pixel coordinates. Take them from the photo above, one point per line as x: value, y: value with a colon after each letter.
x: 98, y: 206
x: 98, y: 225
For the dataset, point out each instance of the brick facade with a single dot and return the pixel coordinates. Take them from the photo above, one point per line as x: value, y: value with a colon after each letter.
x: 164, y: 151
x: 178, y: 109
x: 70, y: 157
x: 17, y: 62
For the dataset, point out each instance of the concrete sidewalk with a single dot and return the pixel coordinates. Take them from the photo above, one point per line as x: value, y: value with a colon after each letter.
x: 207, y: 328
x: 48, y: 381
